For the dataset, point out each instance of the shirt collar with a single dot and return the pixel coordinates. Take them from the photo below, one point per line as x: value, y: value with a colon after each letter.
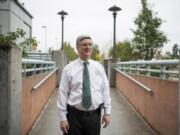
x: 82, y: 61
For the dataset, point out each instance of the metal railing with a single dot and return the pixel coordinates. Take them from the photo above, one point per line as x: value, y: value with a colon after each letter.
x: 135, y: 81
x: 39, y: 56
x: 165, y: 69
x: 30, y: 66
x: 44, y: 79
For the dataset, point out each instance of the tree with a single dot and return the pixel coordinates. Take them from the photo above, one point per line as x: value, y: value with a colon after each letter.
x: 69, y: 51
x: 167, y: 55
x: 158, y: 55
x: 148, y: 38
x: 27, y: 45
x: 175, y: 52
x: 11, y: 39
x: 96, y: 53
x: 123, y: 51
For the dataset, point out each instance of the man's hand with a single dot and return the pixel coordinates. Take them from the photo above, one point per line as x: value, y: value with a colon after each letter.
x: 106, y: 120
x: 64, y: 125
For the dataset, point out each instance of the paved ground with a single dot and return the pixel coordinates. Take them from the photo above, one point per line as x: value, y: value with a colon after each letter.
x: 124, y: 121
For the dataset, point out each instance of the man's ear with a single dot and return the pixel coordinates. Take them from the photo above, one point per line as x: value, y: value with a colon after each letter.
x: 77, y: 47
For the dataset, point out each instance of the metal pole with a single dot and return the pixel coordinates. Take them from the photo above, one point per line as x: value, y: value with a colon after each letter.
x: 114, y: 41
x: 114, y: 10
x: 46, y: 40
x: 62, y: 13
x: 62, y: 44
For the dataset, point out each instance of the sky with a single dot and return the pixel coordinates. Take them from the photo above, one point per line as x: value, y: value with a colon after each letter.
x: 93, y: 18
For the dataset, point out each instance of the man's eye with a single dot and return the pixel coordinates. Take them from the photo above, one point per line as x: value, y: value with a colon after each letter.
x: 89, y: 44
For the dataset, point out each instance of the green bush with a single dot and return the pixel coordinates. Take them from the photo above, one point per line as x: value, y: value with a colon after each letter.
x: 10, y: 39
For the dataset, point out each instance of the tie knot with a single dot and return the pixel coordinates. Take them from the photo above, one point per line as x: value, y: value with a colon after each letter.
x: 86, y: 63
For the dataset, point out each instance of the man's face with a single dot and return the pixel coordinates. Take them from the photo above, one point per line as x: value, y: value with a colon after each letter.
x: 85, y: 49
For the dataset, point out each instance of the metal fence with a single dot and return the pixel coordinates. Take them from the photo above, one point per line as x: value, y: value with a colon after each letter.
x: 165, y: 69
x: 39, y: 56
x: 30, y: 66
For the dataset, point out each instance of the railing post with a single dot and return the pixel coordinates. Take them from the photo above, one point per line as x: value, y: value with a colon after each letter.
x: 162, y: 73
x: 24, y: 69
x: 148, y: 73
x: 34, y: 66
x: 179, y: 101
x: 129, y: 70
x: 137, y: 69
x: 10, y: 90
x: 41, y: 66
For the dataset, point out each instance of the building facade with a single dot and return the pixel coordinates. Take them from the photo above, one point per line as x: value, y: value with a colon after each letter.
x: 13, y: 15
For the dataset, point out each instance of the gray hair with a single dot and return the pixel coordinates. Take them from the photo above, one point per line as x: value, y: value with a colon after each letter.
x: 81, y: 37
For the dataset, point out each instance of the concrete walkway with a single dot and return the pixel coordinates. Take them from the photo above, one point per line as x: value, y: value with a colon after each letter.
x: 124, y: 121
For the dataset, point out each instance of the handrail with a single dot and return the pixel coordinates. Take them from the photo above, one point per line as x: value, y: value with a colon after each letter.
x: 132, y: 79
x: 43, y: 80
x: 170, y: 61
x: 164, y: 69
x: 39, y: 56
x: 30, y: 61
x: 32, y: 66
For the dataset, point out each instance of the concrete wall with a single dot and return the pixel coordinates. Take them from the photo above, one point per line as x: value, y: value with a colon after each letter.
x: 61, y: 61
x: 19, y: 19
x: 33, y: 101
x: 10, y: 90
x: 4, y: 4
x: 110, y: 72
x: 5, y: 16
x: 159, y: 108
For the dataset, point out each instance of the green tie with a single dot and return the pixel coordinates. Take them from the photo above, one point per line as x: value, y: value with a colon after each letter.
x: 86, y: 96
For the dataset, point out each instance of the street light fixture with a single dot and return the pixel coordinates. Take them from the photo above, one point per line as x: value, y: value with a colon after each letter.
x: 45, y: 37
x: 62, y: 13
x: 114, y: 10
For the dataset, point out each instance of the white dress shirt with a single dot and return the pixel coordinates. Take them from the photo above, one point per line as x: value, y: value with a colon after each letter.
x: 70, y: 89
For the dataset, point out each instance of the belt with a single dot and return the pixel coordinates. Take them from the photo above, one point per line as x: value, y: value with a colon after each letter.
x: 81, y: 112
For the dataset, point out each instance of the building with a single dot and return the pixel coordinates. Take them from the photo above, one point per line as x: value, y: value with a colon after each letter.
x: 13, y: 15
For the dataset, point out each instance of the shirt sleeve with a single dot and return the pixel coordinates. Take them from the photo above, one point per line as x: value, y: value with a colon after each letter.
x: 63, y: 96
x: 106, y: 94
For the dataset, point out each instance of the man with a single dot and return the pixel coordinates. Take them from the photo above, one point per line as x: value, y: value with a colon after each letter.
x: 83, y: 91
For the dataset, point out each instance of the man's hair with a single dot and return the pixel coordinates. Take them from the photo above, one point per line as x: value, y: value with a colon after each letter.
x: 80, y: 38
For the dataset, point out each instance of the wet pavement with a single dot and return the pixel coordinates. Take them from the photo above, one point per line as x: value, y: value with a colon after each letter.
x: 124, y: 120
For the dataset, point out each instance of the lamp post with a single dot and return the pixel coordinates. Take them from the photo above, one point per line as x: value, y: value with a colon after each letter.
x: 62, y: 13
x: 114, y: 10
x: 45, y: 37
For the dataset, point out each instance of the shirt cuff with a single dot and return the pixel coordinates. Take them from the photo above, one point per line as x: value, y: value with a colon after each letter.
x: 63, y: 118
x: 107, y: 111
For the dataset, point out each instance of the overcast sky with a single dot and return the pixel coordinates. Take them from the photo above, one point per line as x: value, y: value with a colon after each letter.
x: 92, y: 17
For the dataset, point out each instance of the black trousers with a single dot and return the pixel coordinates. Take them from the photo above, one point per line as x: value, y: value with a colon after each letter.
x: 84, y: 123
